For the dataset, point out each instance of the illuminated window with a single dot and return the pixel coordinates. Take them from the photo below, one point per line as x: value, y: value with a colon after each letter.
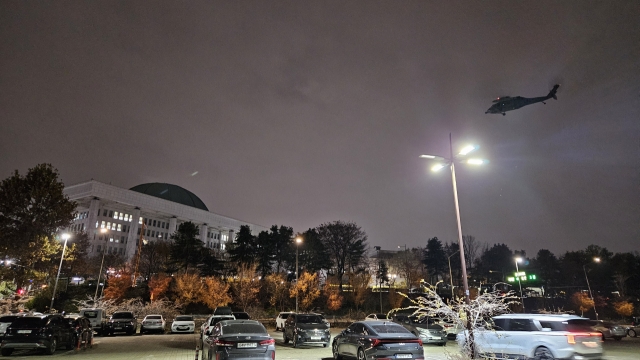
x: 140, y: 222
x: 117, y: 240
x: 110, y: 239
x: 115, y: 215
x: 119, y: 227
x: 102, y: 225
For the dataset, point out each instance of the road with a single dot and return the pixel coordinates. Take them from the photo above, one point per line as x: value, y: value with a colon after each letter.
x: 182, y: 347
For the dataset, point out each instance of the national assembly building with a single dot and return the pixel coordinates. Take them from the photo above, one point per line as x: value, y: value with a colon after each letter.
x: 113, y: 217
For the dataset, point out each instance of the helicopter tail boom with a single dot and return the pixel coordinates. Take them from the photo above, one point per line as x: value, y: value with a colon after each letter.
x: 552, y: 93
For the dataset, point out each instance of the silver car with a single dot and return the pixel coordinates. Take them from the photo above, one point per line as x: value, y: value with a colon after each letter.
x: 153, y: 323
x: 377, y: 340
x: 239, y: 339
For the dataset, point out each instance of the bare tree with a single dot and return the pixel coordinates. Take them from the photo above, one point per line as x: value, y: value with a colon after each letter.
x: 471, y: 249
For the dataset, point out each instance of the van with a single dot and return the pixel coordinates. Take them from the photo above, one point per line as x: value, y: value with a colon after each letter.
x: 97, y: 317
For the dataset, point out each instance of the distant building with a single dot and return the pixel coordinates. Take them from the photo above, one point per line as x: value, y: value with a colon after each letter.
x: 160, y: 207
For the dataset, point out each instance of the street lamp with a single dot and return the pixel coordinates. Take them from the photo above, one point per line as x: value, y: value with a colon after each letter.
x: 64, y: 237
x: 298, y: 241
x: 378, y: 248
x: 584, y: 268
x: 450, y: 274
x: 444, y: 162
x: 95, y: 296
x: 519, y: 259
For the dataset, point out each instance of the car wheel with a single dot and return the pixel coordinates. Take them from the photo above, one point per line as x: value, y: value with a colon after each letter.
x: 142, y: 330
x: 336, y: 354
x: 632, y: 333
x: 6, y: 352
x: 52, y: 347
x: 361, y: 355
x: 602, y: 335
x: 543, y: 353
x: 324, y: 345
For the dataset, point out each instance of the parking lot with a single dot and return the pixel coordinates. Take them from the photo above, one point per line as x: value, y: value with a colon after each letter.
x: 183, y: 347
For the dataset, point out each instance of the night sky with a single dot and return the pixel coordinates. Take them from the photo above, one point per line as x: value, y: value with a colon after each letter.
x: 303, y: 112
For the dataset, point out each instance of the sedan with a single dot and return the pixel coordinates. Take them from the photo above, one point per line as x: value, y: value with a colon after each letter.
x: 239, y: 339
x: 152, y: 323
x: 183, y: 324
x: 375, y: 317
x: 376, y: 340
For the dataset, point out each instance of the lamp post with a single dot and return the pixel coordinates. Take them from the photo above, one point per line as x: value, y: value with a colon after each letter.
x: 95, y: 296
x: 584, y: 268
x: 64, y: 237
x: 444, y: 162
x: 298, y: 241
x: 451, y: 274
x: 378, y: 248
x: 519, y: 259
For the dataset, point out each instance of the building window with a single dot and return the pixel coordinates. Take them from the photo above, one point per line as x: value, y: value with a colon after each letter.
x: 121, y: 216
x: 138, y: 231
x: 115, y: 215
x: 111, y: 213
x: 99, y: 248
x: 117, y: 240
x: 110, y: 239
x: 102, y: 226
x: 140, y: 222
x: 105, y: 212
x: 122, y: 239
x: 119, y: 227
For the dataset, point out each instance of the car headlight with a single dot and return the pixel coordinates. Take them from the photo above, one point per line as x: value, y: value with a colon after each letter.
x: 299, y: 330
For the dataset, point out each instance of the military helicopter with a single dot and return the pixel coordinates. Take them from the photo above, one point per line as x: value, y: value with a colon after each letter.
x: 507, y: 103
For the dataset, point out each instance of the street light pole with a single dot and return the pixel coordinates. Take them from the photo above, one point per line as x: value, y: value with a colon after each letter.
x: 378, y: 248
x: 519, y: 259
x: 597, y: 259
x: 65, y: 237
x: 95, y: 296
x: 450, y: 273
x: 298, y: 241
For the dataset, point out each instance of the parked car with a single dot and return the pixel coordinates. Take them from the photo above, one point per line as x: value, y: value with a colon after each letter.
x: 306, y: 329
x: 183, y: 323
x: 207, y: 325
x: 537, y: 336
x: 154, y: 323
x: 82, y: 329
x: 121, y: 322
x: 634, y: 329
x: 376, y: 317
x: 280, y: 319
x: 423, y: 327
x: 46, y: 332
x: 609, y: 330
x: 239, y: 339
x: 241, y: 315
x: 222, y: 310
x: 451, y: 328
x: 377, y: 340
x: 97, y: 317
x: 7, y: 320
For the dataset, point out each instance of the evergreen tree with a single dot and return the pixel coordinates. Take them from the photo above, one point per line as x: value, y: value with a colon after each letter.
x: 186, y: 248
x: 435, y: 259
x: 244, y: 249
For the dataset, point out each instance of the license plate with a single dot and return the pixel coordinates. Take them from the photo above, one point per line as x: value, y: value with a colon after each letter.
x: 247, y: 345
x: 404, y: 356
x: 117, y: 328
x: 316, y: 338
x: 436, y: 338
x: 590, y: 344
x: 182, y: 327
x: 24, y: 331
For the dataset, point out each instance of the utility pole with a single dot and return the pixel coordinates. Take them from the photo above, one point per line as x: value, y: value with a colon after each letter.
x: 135, y: 273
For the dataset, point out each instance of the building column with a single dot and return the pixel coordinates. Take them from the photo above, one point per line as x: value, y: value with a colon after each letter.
x: 203, y: 234
x: 92, y: 231
x: 133, y: 236
x: 173, y: 225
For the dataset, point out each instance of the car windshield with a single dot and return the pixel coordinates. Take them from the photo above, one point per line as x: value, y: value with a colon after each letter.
x: 154, y: 317
x: 390, y: 329
x: 28, y: 322
x: 124, y: 315
x: 218, y: 319
x: 184, y: 318
x: 309, y: 319
x: 381, y: 316
x: 8, y: 319
x: 243, y: 329
x: 90, y: 314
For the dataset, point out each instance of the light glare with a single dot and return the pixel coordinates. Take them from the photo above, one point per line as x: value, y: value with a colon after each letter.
x: 437, y: 167
x: 475, y: 161
x: 427, y: 156
x: 467, y: 149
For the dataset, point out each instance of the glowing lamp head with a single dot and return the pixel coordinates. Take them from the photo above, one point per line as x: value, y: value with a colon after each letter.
x: 476, y: 161
x: 596, y: 259
x: 298, y: 240
x: 518, y: 259
x: 65, y: 236
x: 468, y: 149
x: 437, y: 167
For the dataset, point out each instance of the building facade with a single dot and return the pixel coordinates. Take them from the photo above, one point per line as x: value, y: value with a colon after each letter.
x: 116, y: 219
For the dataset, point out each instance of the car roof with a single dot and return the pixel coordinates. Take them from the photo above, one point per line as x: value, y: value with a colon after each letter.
x: 153, y: 315
x: 377, y: 322
x: 231, y: 322
x: 545, y: 317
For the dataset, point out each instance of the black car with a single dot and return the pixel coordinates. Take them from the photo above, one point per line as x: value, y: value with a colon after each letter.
x: 423, y: 327
x: 122, y: 322
x: 377, y: 340
x: 47, y: 332
x: 222, y: 310
x: 306, y: 329
x: 83, y: 330
x: 6, y: 321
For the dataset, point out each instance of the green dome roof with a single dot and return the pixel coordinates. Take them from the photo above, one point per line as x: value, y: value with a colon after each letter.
x: 172, y: 193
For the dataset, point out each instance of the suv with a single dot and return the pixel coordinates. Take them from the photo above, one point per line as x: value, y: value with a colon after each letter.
x: 422, y: 327
x: 207, y: 325
x: 97, y: 317
x: 280, y: 319
x: 46, y: 332
x: 306, y: 329
x: 537, y: 336
x: 122, y: 321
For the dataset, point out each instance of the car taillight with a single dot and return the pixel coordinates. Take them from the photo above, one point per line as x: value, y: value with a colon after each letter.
x: 420, y: 342
x: 268, y: 342
x: 571, y: 338
x: 224, y: 343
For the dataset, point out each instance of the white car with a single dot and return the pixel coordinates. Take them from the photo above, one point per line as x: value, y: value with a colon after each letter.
x: 537, y: 336
x: 183, y: 324
x: 153, y: 323
x: 376, y: 317
x: 207, y: 325
x: 281, y: 318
